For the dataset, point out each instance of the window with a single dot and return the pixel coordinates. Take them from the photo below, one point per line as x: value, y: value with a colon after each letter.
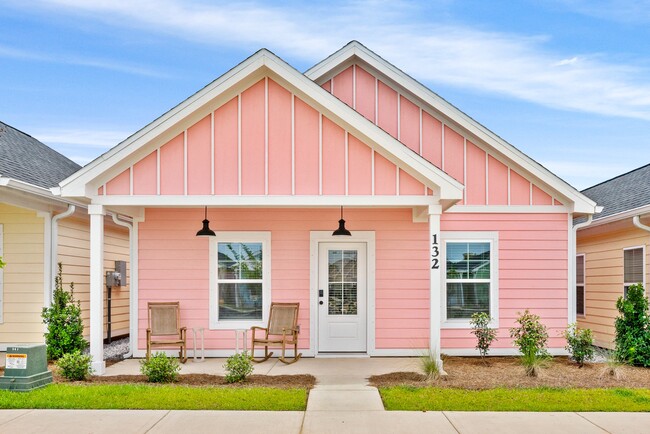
x: 469, y: 276
x: 580, y: 284
x: 240, y: 279
x: 633, y: 272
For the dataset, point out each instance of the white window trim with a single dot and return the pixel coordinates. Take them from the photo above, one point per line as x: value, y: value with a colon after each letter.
x: 583, y: 284
x: 243, y: 237
x: 2, y: 278
x: 471, y: 237
x: 643, y: 261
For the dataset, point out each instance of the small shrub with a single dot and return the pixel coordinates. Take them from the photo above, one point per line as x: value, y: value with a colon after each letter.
x: 484, y: 334
x: 75, y: 366
x: 63, y: 319
x: 632, y: 328
x: 430, y: 366
x: 160, y: 368
x: 2, y: 263
x: 579, y: 343
x: 531, y: 337
x: 613, y: 365
x: 238, y: 367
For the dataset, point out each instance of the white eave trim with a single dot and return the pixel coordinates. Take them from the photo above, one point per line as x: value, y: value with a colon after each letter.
x: 34, y: 190
x: 624, y: 215
x: 581, y: 203
x: 77, y: 185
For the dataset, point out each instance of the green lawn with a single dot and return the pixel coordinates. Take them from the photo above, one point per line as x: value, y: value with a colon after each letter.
x: 155, y: 397
x: 537, y: 399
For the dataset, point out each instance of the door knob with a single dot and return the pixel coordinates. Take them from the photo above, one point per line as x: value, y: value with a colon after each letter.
x: 320, y: 302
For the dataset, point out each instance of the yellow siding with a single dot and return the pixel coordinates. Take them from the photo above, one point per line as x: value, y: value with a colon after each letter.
x: 23, y: 234
x: 604, y: 277
x: 74, y: 253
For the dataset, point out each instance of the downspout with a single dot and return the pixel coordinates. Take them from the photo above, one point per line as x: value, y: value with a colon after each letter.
x: 637, y: 222
x: 572, y: 277
x: 132, y: 302
x: 54, y: 251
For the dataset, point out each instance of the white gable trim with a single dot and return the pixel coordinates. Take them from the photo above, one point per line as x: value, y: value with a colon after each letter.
x: 342, y: 58
x: 84, y: 182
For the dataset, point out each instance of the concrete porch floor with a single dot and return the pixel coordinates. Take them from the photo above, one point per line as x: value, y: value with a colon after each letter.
x: 329, y: 371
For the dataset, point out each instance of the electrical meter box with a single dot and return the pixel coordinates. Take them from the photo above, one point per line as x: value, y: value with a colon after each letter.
x: 25, y: 368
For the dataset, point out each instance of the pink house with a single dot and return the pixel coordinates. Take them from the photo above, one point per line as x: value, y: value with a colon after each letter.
x: 446, y: 218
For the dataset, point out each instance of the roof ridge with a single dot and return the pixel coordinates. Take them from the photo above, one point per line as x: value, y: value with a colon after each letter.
x: 616, y: 177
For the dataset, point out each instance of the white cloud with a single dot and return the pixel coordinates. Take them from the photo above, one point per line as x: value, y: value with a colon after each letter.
x: 89, y: 141
x: 584, y: 174
x: 518, y: 66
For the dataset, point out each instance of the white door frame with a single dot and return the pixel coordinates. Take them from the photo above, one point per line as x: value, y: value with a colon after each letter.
x: 317, y: 237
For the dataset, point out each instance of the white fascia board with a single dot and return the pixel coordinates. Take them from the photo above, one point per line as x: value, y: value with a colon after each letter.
x: 112, y: 201
x: 81, y: 183
x: 581, y: 203
x: 21, y: 193
x: 619, y: 216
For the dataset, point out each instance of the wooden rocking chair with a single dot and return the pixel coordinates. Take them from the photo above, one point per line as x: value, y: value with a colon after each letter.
x: 164, y: 328
x: 282, y: 329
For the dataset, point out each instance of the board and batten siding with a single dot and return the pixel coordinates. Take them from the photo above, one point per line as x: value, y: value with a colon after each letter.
x: 533, y: 272
x: 603, y: 252
x: 74, y: 253
x: 23, y: 250
x: 173, y: 265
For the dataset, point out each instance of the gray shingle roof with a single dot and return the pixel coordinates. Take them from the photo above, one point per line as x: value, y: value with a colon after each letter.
x: 625, y: 192
x: 24, y: 158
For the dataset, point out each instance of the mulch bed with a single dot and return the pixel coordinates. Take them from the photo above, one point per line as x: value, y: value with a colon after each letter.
x: 473, y: 374
x: 276, y: 381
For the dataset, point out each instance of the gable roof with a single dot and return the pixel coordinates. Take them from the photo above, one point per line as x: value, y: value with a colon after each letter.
x: 25, y: 159
x: 622, y: 193
x: 84, y: 182
x: 355, y: 50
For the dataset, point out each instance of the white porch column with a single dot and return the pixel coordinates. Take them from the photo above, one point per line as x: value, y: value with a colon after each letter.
x: 97, y: 287
x: 435, y: 263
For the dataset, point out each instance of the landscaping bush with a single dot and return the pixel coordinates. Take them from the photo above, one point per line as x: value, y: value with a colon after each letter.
x: 531, y: 337
x: 63, y: 319
x: 160, y: 368
x: 430, y: 366
x: 632, y: 334
x: 2, y: 263
x: 238, y: 367
x: 75, y: 366
x: 579, y: 343
x: 484, y: 334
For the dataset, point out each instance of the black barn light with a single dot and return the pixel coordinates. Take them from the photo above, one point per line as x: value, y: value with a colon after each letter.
x: 341, y: 231
x: 206, y: 231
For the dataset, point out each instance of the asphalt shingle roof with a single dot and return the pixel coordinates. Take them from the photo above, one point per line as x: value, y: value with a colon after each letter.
x: 24, y: 158
x: 625, y: 192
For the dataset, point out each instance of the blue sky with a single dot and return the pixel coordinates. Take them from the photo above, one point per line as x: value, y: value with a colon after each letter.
x: 565, y: 81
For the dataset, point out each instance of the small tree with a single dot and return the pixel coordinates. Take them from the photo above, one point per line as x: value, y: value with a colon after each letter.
x: 63, y: 319
x: 531, y: 337
x: 632, y: 327
x: 580, y: 343
x: 484, y: 334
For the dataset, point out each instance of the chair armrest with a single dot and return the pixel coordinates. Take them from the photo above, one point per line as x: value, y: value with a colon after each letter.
x: 253, y: 328
x: 259, y: 328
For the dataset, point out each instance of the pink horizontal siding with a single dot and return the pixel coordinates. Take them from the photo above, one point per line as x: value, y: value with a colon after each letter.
x: 533, y: 271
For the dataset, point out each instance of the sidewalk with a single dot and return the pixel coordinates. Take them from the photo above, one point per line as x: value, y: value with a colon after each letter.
x: 341, y: 403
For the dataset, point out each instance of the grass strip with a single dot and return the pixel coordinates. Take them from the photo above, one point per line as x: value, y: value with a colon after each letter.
x: 155, y: 397
x: 501, y: 399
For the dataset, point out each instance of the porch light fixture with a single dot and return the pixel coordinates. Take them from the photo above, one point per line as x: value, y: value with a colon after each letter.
x: 206, y: 231
x: 341, y: 231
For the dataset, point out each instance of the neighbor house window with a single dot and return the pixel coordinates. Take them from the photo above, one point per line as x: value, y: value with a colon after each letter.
x: 633, y: 272
x: 469, y: 276
x: 580, y: 284
x: 240, y: 283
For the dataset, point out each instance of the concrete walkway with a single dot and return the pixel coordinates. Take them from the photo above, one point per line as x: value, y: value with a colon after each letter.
x: 341, y: 403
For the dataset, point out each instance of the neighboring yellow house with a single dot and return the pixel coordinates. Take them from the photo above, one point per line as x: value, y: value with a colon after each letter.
x: 38, y: 230
x: 612, y: 252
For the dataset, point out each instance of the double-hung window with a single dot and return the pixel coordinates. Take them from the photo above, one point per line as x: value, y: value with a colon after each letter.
x: 470, y: 276
x: 239, y: 279
x: 633, y: 267
x: 580, y: 284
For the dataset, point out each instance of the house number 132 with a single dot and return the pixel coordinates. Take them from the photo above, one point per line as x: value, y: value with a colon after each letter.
x: 435, y: 252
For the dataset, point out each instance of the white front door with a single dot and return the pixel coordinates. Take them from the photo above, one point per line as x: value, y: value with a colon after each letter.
x: 342, y: 287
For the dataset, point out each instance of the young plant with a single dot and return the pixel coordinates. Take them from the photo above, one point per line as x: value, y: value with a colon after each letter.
x: 430, y: 366
x: 63, y: 319
x: 531, y: 337
x: 632, y: 328
x: 75, y: 366
x: 2, y: 263
x: 484, y: 334
x: 238, y: 367
x: 579, y: 343
x: 613, y: 365
x: 160, y: 368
